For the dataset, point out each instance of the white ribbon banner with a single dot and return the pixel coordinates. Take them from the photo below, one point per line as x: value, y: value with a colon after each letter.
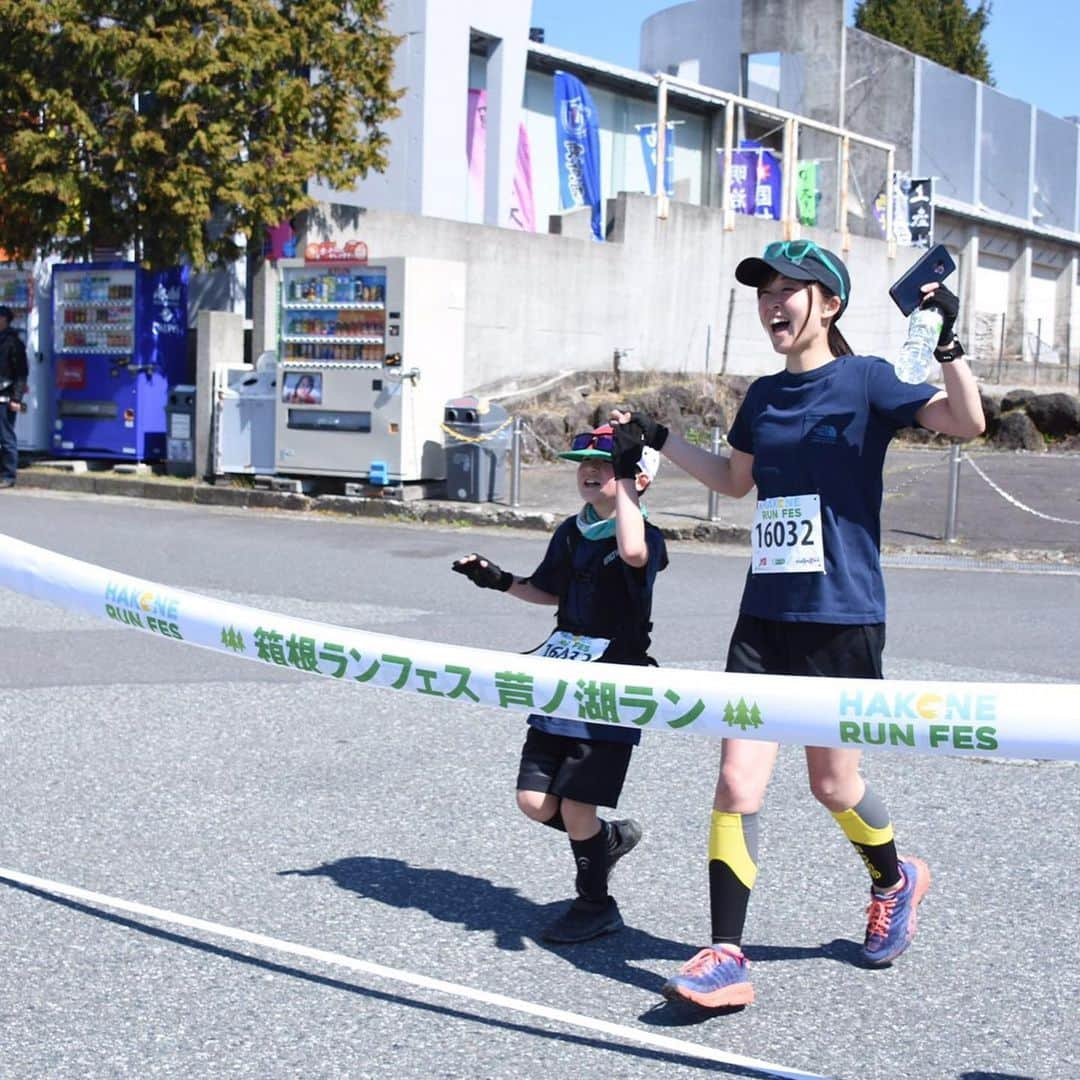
x: 1013, y: 720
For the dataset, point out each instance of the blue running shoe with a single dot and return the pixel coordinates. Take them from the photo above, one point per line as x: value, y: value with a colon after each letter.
x: 717, y: 977
x: 893, y: 918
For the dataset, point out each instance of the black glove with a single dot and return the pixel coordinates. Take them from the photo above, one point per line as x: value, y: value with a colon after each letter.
x: 949, y: 306
x: 483, y: 572
x: 647, y: 431
x: 627, y: 450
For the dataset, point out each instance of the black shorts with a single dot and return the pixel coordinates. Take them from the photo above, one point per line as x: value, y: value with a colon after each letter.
x: 578, y: 769
x: 840, y: 650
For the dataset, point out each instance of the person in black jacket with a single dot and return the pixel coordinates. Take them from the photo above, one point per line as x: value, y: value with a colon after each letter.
x: 14, y: 372
x: 598, y: 571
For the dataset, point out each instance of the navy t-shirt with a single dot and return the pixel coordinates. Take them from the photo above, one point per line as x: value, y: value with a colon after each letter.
x: 825, y: 432
x: 600, y: 596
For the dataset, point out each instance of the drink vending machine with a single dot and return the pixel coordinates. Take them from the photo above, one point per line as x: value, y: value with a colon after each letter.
x: 368, y: 355
x: 119, y: 341
x: 18, y: 291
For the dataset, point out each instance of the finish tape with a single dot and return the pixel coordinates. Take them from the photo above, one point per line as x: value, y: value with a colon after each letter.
x: 985, y: 720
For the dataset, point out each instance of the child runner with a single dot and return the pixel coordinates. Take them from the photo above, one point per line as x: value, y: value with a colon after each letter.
x: 599, y: 570
x: 815, y: 435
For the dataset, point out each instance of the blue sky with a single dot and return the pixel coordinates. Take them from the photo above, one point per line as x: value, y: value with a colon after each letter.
x: 1032, y: 43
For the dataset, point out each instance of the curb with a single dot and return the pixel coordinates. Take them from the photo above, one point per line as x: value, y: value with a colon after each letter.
x: 459, y: 514
x: 244, y: 498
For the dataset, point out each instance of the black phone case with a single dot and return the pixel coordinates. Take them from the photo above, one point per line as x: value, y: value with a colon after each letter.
x: 936, y: 265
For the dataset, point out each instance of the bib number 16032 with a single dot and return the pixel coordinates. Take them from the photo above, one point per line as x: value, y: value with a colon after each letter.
x: 786, y: 536
x: 774, y: 534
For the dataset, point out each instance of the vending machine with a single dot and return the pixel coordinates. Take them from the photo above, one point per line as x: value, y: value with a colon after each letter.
x: 368, y: 356
x: 18, y: 291
x: 119, y: 341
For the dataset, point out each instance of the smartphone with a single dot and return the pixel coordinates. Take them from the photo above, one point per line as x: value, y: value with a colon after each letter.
x: 936, y: 265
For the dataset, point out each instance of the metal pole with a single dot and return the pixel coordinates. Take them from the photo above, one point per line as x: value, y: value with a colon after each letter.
x: 1001, y: 349
x: 954, y: 494
x: 515, y: 463
x: 662, y: 203
x: 845, y: 166
x: 1038, y: 347
x: 714, y: 497
x: 729, y: 140
x: 890, y: 168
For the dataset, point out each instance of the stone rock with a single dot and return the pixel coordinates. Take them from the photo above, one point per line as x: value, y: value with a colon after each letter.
x: 1016, y: 399
x: 1056, y: 415
x: 548, y: 436
x: 992, y: 411
x: 1017, y: 431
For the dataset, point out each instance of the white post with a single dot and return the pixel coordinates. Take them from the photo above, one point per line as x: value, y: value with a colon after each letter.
x: 661, y: 147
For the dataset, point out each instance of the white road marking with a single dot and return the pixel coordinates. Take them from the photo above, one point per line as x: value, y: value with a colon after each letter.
x: 618, y: 1031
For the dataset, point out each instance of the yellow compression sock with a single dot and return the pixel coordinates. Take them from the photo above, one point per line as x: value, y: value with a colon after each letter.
x: 728, y: 844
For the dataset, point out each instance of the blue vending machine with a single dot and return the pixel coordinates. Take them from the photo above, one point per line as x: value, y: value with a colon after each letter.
x: 119, y: 342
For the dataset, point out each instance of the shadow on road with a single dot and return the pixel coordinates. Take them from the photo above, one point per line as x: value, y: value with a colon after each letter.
x: 479, y: 906
x: 646, y: 1054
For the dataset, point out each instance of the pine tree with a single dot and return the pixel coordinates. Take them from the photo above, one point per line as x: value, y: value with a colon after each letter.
x: 183, y: 127
x: 945, y: 31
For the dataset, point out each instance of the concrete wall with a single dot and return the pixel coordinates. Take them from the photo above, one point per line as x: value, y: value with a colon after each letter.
x: 697, y: 41
x: 541, y: 304
x: 428, y: 171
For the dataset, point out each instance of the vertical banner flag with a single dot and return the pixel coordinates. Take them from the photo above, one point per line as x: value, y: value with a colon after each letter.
x: 920, y: 212
x: 767, y: 194
x: 578, y: 148
x: 476, y: 145
x: 755, y: 181
x: 913, y: 210
x: 647, y: 135
x: 523, y: 203
x: 743, y: 180
x: 806, y: 193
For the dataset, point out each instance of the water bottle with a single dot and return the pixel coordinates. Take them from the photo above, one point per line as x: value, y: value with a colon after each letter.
x: 916, y: 359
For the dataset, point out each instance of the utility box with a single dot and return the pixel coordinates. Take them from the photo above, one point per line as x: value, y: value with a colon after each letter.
x: 245, y: 400
x: 477, y: 443
x: 180, y: 431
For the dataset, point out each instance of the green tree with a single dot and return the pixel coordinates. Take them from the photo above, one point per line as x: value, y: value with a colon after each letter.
x: 945, y: 31
x: 183, y: 127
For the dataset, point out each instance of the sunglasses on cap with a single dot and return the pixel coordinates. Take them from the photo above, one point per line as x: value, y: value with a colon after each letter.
x: 796, y: 251
x: 589, y: 440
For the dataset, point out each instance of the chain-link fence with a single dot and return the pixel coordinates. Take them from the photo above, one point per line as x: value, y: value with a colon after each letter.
x: 1004, y: 352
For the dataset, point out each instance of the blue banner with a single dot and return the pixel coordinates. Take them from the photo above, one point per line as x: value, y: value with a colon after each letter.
x: 755, y: 181
x: 578, y: 148
x: 647, y: 134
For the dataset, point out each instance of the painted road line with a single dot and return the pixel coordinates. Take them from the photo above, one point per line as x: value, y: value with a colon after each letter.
x: 559, y: 1016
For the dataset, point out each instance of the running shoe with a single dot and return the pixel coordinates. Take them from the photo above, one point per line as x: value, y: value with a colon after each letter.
x: 622, y: 838
x: 585, y: 920
x: 893, y: 918
x: 717, y: 977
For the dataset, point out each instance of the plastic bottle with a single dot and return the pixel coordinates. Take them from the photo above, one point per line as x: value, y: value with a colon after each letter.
x: 916, y: 359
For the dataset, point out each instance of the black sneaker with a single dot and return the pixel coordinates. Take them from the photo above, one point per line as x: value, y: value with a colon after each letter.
x: 585, y: 920
x: 622, y: 839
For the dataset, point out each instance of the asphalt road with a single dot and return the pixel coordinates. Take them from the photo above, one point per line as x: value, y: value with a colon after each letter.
x: 353, y: 821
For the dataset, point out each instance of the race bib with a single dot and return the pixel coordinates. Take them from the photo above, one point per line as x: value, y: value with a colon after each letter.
x: 564, y: 645
x: 786, y: 536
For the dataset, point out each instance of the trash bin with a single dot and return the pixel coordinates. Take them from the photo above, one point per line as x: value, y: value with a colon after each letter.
x: 244, y: 418
x: 180, y: 431
x: 477, y: 443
